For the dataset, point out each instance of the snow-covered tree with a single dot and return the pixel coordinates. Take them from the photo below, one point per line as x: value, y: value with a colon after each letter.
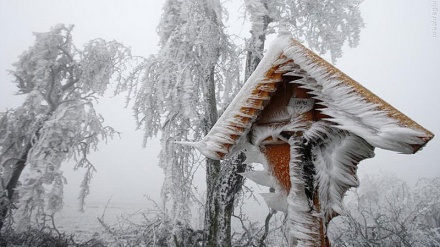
x: 324, y: 26
x: 385, y: 211
x: 56, y: 122
x: 194, y: 75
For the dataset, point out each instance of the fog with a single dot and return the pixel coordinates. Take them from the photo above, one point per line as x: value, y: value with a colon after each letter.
x: 398, y: 59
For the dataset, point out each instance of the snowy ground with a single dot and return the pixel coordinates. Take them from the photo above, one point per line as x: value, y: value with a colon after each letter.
x: 85, y: 225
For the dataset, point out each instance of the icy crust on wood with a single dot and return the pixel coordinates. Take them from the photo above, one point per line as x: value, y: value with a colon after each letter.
x: 354, y: 108
x: 304, y: 222
x: 265, y: 177
x: 348, y: 105
x: 257, y: 152
x: 238, y: 118
x: 335, y: 155
x: 335, y: 159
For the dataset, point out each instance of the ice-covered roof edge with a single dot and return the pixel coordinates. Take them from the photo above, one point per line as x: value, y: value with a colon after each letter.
x: 378, y: 122
x: 242, y: 111
x: 365, y: 114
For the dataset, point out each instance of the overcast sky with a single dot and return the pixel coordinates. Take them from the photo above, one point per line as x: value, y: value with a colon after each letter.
x: 398, y: 59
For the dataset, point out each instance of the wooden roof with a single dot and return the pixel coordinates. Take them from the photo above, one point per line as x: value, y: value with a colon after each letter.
x: 349, y: 105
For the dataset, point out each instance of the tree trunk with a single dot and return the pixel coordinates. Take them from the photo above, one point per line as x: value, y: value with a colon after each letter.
x: 212, y: 203
x: 222, y: 180
x: 220, y: 201
x: 306, y: 226
x: 12, y: 183
x: 212, y: 169
x: 224, y: 184
x: 256, y: 45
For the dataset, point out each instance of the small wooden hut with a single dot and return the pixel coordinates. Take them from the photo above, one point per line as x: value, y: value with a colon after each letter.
x: 310, y: 125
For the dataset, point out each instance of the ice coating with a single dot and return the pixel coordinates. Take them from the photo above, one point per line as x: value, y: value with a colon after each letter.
x: 350, y: 106
x: 353, y: 122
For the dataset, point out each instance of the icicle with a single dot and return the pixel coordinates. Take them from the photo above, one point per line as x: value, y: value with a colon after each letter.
x: 347, y: 105
x: 335, y: 158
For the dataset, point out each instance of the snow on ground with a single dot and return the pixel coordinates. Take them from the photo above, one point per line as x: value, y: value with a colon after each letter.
x: 85, y: 225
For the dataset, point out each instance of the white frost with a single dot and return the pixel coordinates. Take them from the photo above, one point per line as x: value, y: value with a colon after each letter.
x: 347, y: 108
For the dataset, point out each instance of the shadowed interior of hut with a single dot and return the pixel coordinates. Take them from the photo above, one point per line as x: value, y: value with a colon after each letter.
x: 288, y: 96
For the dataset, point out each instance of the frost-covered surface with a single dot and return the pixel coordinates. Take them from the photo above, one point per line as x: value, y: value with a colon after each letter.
x: 241, y: 112
x: 177, y: 96
x: 388, y: 212
x: 336, y: 154
x: 84, y: 224
x: 352, y: 107
x: 57, y: 121
x: 349, y: 106
x: 196, y: 65
x: 356, y: 122
x: 336, y: 159
x: 304, y: 227
x: 325, y: 26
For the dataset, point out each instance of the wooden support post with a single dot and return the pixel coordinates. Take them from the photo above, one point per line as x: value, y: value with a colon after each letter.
x: 292, y: 166
x: 304, y: 207
x: 304, y: 213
